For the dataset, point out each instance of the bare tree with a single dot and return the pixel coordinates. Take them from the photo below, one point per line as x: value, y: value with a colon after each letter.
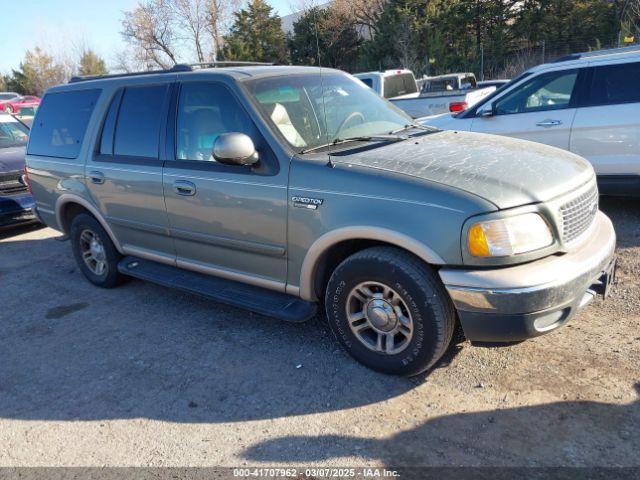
x: 151, y: 27
x: 365, y: 13
x: 164, y: 32
x: 219, y: 15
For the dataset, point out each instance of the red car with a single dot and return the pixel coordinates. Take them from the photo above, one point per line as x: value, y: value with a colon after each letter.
x: 12, y: 102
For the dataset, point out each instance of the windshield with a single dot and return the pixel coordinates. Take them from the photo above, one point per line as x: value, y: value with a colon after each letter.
x: 312, y: 110
x: 7, y: 96
x: 13, y: 133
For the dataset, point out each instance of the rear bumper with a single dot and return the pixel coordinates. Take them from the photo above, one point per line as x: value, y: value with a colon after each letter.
x: 16, y: 210
x: 514, y: 303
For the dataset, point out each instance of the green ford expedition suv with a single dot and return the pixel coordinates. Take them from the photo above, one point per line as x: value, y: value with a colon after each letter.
x: 279, y: 188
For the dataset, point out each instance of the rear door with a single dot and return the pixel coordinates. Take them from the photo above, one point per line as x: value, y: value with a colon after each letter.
x: 225, y: 220
x: 124, y: 175
x: 541, y: 109
x: 606, y: 129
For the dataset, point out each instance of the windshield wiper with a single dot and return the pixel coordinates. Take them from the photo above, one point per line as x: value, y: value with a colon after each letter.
x: 413, y: 125
x: 363, y: 138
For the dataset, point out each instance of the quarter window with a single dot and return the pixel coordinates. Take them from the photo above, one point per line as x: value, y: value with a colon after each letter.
x: 137, y: 131
x: 61, y: 123
x: 549, y: 91
x: 616, y: 84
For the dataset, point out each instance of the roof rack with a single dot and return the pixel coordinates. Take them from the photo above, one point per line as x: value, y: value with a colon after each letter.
x: 598, y: 53
x: 178, y: 67
x: 188, y: 67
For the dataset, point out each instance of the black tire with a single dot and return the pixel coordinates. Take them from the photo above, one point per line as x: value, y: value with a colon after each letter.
x: 110, y: 277
x: 422, y: 292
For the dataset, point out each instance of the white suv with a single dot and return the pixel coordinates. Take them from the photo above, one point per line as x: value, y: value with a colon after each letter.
x: 587, y: 103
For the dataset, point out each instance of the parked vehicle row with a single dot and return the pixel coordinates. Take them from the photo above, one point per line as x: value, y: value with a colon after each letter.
x: 278, y: 189
x: 447, y: 93
x: 588, y: 104
x: 16, y: 203
x: 11, y: 102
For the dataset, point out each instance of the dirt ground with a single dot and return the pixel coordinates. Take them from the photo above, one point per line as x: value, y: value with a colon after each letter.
x: 147, y: 376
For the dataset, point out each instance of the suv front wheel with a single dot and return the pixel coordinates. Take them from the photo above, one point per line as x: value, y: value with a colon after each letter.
x: 390, y: 311
x: 94, y: 251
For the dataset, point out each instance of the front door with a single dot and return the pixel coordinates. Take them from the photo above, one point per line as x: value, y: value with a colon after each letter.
x: 124, y: 175
x: 540, y: 109
x: 225, y: 220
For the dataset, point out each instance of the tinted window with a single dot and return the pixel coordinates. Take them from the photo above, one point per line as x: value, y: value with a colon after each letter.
x: 61, y: 122
x: 549, y: 91
x: 615, y: 84
x: 139, y: 119
x: 367, y: 81
x: 109, y: 126
x: 397, y: 85
x: 441, y: 84
x: 205, y: 112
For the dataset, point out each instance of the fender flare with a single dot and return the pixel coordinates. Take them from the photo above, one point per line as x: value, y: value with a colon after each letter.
x: 67, y: 198
x: 328, y: 240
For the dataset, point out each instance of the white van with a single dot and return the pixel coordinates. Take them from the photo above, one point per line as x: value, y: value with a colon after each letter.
x: 587, y: 103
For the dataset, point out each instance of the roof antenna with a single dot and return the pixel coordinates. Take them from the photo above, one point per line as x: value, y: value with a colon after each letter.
x: 324, y: 110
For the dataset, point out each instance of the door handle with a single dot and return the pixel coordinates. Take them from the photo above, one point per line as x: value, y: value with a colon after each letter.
x: 96, y: 177
x: 549, y: 123
x: 182, y: 187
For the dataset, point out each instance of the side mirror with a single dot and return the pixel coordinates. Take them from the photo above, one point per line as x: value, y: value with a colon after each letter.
x: 487, y: 110
x: 235, y: 149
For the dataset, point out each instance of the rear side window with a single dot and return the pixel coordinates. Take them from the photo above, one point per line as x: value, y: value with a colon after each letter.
x: 137, y: 131
x: 397, y: 85
x: 61, y: 123
x: 616, y: 84
x: 367, y: 81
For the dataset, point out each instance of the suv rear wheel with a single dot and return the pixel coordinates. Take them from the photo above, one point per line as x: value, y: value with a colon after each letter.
x: 390, y: 311
x: 94, y: 251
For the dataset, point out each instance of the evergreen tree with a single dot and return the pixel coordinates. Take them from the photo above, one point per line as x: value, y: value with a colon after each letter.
x: 91, y: 64
x: 256, y: 35
x: 325, y: 34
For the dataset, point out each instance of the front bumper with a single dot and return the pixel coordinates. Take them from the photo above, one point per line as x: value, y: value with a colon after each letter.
x: 518, y: 302
x: 17, y: 210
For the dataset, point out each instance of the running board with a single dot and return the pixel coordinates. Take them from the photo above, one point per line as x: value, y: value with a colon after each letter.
x: 256, y: 299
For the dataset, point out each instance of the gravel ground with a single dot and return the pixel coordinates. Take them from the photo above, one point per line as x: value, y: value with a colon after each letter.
x: 147, y: 376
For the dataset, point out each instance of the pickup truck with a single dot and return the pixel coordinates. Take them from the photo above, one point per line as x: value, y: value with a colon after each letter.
x: 447, y: 93
x: 286, y: 189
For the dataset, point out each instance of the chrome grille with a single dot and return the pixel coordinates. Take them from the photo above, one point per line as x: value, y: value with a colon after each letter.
x: 11, y: 183
x: 578, y: 214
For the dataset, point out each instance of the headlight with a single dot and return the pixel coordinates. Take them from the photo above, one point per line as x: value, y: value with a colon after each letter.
x: 509, y: 236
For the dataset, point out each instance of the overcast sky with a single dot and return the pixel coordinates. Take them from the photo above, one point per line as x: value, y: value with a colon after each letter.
x: 58, y: 25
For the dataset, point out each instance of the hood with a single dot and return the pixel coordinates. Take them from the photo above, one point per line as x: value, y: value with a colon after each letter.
x: 505, y: 171
x: 11, y: 159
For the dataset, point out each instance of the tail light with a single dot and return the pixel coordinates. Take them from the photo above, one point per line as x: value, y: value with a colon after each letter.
x: 455, y: 107
x: 25, y: 180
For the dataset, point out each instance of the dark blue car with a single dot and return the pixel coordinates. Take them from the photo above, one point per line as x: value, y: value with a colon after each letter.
x: 16, y: 203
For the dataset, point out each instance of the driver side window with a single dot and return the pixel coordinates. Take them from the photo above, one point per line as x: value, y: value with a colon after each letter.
x: 206, y: 111
x: 549, y: 91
